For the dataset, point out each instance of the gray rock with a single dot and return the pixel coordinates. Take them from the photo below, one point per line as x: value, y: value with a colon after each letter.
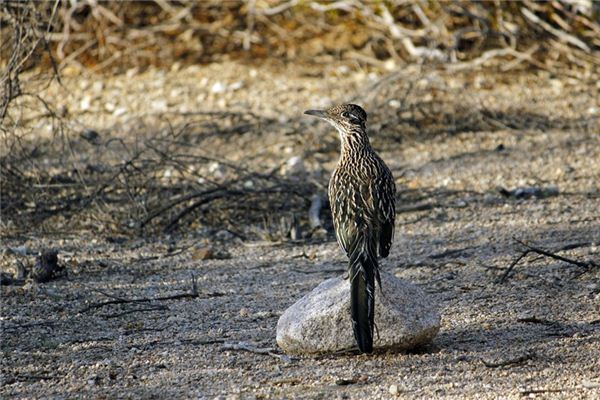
x: 320, y: 321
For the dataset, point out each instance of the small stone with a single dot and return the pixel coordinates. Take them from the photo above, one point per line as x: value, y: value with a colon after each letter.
x: 131, y: 72
x: 236, y: 85
x: 393, y: 390
x: 204, y: 253
x: 343, y: 69
x: 244, y: 312
x: 98, y: 86
x: 217, y: 169
x: 120, y: 111
x: 159, y: 105
x: 389, y: 64
x: 90, y: 135
x: 395, y: 103
x: 218, y: 87
x: 86, y: 103
x: 294, y: 166
x: 320, y: 321
x: 208, y: 253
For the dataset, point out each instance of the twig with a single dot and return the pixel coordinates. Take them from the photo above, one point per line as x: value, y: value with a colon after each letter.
x: 556, y: 32
x: 509, y: 361
x: 256, y: 350
x: 31, y: 325
x: 450, y: 252
x: 490, y: 54
x: 531, y: 249
x: 117, y: 300
x: 536, y: 320
x: 319, y: 271
x: 277, y: 9
x: 526, y: 392
x: 154, y: 308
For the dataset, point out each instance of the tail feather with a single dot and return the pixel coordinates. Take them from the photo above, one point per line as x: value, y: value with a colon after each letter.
x: 363, y: 271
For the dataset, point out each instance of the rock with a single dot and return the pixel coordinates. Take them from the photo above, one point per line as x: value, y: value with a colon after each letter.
x: 294, y: 167
x: 217, y: 170
x: 208, y: 253
x: 46, y: 267
x: 204, y: 253
x: 320, y: 321
x: 90, y: 135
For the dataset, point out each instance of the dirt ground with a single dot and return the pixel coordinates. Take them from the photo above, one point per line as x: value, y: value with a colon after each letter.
x: 453, y: 140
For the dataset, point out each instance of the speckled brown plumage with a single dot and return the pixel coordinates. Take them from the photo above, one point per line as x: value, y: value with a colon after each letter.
x: 361, y: 194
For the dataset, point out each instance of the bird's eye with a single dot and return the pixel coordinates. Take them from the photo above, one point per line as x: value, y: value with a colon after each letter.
x: 346, y: 114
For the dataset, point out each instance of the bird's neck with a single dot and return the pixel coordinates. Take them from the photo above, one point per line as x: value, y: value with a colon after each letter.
x: 354, y: 142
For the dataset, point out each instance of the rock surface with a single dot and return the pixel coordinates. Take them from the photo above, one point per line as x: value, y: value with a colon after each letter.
x: 320, y: 321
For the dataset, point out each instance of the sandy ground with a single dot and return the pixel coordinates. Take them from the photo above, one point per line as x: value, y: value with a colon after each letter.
x: 450, y: 139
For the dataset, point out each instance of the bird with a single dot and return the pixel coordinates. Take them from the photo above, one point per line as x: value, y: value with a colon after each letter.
x: 362, y: 198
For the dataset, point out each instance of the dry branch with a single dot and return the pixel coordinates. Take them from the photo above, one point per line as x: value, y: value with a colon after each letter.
x: 587, y: 265
x: 119, y: 35
x: 194, y: 294
x: 256, y: 350
x: 519, y: 359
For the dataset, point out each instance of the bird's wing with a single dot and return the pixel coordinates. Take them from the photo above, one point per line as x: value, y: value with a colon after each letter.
x: 345, y: 198
x: 386, y: 208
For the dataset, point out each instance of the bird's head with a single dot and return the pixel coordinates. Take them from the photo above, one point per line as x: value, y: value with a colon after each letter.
x: 348, y: 119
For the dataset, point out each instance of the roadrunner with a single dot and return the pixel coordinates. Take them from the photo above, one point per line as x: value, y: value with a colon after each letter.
x: 361, y: 194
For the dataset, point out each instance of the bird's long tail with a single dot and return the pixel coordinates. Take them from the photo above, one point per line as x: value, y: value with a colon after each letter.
x: 363, y: 271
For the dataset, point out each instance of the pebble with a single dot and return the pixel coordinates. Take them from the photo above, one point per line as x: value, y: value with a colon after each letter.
x: 218, y: 87
x: 159, y: 105
x: 236, y: 85
x: 294, y: 166
x: 85, y: 103
x: 244, y: 312
x: 120, y: 111
x: 217, y: 169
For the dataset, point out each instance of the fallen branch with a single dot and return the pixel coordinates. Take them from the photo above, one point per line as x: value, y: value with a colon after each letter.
x: 154, y: 308
x: 556, y: 32
x: 531, y: 249
x: 256, y: 350
x: 118, y: 300
x: 536, y: 320
x: 451, y: 252
x: 509, y: 361
x: 320, y: 271
x: 526, y: 392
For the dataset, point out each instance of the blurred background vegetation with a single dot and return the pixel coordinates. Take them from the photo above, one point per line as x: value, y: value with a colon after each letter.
x: 115, y: 35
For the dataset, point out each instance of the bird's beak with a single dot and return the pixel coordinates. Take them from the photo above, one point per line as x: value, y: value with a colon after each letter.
x: 317, y: 113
